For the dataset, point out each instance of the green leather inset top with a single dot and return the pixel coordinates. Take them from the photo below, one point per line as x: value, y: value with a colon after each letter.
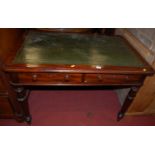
x: 57, y: 48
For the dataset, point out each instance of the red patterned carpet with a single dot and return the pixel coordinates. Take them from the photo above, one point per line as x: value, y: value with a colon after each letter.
x: 77, y: 108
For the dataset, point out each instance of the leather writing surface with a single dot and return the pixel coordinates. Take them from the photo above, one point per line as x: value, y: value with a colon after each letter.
x: 55, y: 48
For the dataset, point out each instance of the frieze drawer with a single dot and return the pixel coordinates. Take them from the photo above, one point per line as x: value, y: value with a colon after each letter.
x: 46, y: 78
x: 112, y: 79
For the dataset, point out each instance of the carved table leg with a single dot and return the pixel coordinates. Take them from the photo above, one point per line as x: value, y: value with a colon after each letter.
x: 131, y: 95
x: 22, y: 97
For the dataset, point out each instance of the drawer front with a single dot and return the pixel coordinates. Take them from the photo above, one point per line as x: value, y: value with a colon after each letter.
x: 112, y: 79
x: 48, y: 78
x: 74, y: 78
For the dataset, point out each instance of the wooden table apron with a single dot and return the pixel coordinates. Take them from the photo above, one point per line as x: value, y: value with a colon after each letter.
x: 49, y: 59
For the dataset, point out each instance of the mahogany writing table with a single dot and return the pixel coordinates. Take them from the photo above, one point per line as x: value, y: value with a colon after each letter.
x: 59, y: 59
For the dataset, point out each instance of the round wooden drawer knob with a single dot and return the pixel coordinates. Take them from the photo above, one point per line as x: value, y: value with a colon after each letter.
x: 99, y: 77
x: 127, y: 77
x: 34, y: 77
x: 66, y: 77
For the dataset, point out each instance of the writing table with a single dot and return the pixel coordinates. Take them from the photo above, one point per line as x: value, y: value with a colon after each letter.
x: 59, y: 59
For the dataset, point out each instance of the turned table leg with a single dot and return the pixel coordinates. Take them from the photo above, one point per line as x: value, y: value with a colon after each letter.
x: 130, y: 97
x: 22, y: 97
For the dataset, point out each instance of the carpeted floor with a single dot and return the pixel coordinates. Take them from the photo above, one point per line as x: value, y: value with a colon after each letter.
x: 77, y: 108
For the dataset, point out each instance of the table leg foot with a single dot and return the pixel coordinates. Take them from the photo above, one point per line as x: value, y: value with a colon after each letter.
x: 28, y: 120
x: 120, y: 116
